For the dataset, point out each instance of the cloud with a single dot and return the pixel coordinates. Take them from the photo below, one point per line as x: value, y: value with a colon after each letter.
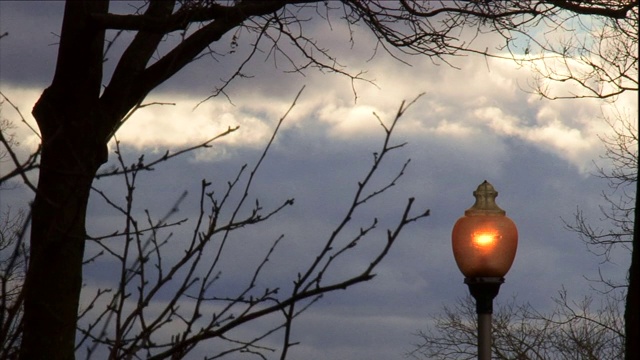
x: 457, y: 103
x: 183, y: 124
x: 548, y: 133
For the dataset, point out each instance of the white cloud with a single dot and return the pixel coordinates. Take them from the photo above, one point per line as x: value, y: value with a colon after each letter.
x: 574, y: 140
x: 24, y: 98
x: 183, y: 124
x: 454, y: 102
x: 349, y: 121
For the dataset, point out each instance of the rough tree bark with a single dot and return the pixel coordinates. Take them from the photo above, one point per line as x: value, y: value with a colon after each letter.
x: 73, y: 147
x: 632, y: 310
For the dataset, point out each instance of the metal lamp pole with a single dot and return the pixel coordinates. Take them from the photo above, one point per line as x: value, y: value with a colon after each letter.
x: 484, y: 290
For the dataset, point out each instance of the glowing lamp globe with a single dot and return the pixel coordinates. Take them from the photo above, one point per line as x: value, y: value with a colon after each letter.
x: 484, y: 240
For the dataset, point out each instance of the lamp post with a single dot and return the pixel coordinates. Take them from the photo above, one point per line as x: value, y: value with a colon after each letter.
x: 484, y: 244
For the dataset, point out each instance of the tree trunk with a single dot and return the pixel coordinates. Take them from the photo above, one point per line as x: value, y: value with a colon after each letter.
x: 632, y: 308
x: 54, y: 278
x: 74, y: 131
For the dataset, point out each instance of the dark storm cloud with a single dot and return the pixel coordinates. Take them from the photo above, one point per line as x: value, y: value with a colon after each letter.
x: 28, y: 52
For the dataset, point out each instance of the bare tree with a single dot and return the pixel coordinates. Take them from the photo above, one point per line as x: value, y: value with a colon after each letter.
x: 8, y: 157
x: 572, y: 330
x: 13, y: 266
x: 13, y: 228
x: 621, y: 156
x: 599, y: 56
x: 79, y: 113
x: 591, y: 328
x: 198, y: 308
x: 118, y: 323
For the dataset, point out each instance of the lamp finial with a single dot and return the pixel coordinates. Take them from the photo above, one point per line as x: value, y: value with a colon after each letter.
x: 485, y: 204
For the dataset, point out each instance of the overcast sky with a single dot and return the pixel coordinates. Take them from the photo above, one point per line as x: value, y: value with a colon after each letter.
x: 471, y: 124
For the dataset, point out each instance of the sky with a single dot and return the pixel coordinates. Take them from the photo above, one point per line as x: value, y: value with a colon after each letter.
x: 473, y: 123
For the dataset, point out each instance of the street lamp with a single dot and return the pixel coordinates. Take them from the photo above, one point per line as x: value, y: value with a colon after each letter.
x: 484, y: 244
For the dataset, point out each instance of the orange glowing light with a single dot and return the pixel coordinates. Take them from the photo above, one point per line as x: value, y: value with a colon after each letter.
x: 484, y: 240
